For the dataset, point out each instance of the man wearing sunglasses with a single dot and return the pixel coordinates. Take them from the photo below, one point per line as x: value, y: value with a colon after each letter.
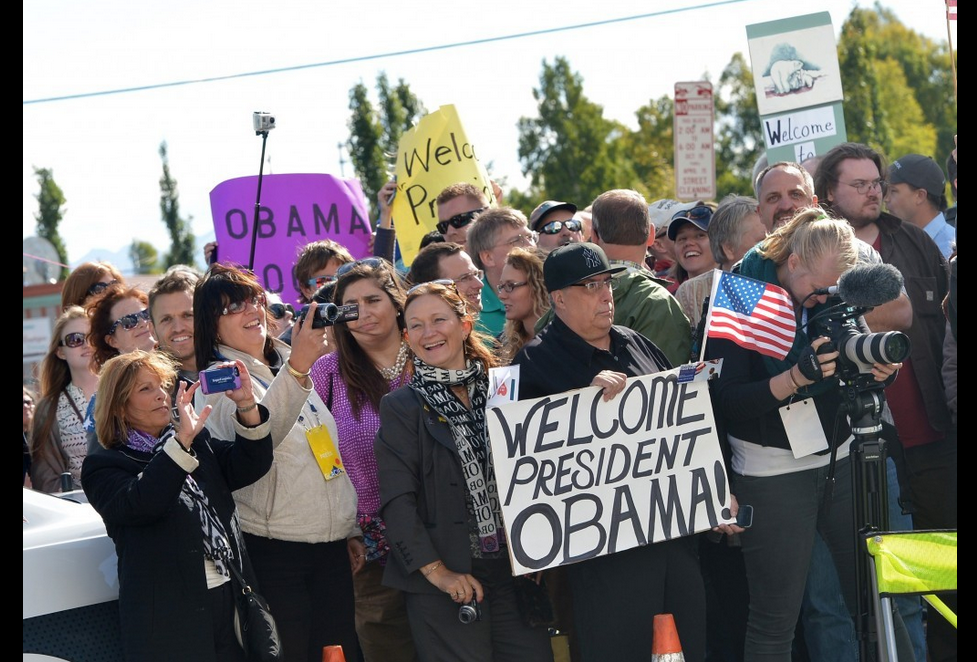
x: 556, y: 225
x: 171, y: 312
x: 458, y: 205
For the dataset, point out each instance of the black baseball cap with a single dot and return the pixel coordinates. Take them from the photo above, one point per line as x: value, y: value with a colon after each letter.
x: 572, y: 263
x: 545, y: 208
x: 919, y: 172
x: 699, y: 216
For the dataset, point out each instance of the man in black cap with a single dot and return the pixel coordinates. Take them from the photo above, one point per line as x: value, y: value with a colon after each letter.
x: 917, y: 195
x: 554, y: 222
x: 616, y: 596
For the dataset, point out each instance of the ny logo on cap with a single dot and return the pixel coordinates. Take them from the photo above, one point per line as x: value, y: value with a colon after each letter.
x: 593, y: 260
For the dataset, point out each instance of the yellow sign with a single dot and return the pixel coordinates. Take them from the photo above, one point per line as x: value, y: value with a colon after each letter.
x: 430, y: 157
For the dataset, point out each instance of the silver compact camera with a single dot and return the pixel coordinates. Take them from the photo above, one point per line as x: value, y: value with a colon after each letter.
x: 470, y: 612
x: 263, y: 122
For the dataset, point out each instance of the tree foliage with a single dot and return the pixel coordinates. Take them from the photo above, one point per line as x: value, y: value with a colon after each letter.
x: 375, y: 131
x: 144, y: 257
x: 739, y: 136
x: 570, y: 151
x: 182, y: 241
x: 652, y: 148
x: 50, y: 202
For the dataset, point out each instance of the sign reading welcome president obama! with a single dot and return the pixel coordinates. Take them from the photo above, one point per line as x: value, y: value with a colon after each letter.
x: 579, y: 477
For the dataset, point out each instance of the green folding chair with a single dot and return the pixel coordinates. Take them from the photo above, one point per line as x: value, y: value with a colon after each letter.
x: 910, y: 563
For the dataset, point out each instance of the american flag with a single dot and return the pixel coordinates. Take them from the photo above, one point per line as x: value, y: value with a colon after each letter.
x: 951, y: 10
x: 751, y: 313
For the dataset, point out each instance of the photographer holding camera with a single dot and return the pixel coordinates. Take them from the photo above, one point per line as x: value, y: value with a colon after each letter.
x: 788, y: 442
x: 296, y: 519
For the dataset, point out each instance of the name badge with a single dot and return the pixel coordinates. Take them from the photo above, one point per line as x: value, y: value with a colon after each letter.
x: 804, y: 431
x: 325, y: 451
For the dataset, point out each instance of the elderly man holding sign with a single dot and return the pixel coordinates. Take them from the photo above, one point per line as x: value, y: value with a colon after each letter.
x: 615, y: 594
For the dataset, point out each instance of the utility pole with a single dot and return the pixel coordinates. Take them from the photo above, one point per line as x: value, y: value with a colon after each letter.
x: 342, y: 161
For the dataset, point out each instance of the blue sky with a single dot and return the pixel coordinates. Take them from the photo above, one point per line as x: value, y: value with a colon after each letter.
x: 103, y: 149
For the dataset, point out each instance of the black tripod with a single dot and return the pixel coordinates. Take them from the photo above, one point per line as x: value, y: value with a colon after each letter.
x: 863, y: 402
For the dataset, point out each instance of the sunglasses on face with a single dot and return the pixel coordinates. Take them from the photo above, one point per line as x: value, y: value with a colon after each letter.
x: 372, y: 262
x: 459, y: 221
x: 555, y: 227
x: 98, y: 288
x: 130, y: 322
x: 238, y: 307
x: 447, y: 282
x: 279, y: 310
x: 73, y: 340
x: 319, y: 281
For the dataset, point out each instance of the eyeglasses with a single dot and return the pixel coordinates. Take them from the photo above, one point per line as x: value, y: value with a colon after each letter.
x: 459, y: 220
x: 699, y: 213
x: 73, y: 340
x: 596, y: 285
x: 279, y: 310
x: 130, y: 322
x: 478, y: 274
x: 527, y: 239
x: 508, y: 287
x: 98, y: 288
x: 319, y: 281
x: 864, y: 187
x: 447, y: 282
x: 555, y: 227
x: 372, y: 262
x: 238, y: 307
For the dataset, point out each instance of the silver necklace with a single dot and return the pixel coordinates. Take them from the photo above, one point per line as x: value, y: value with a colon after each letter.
x: 397, y: 368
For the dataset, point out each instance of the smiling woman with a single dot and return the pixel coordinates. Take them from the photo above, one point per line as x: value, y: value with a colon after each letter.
x: 296, y: 520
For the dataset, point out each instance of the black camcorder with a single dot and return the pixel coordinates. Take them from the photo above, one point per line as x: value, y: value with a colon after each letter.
x: 857, y: 350
x: 328, y: 314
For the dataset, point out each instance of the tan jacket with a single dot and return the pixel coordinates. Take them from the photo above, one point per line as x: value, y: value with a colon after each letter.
x: 293, y: 501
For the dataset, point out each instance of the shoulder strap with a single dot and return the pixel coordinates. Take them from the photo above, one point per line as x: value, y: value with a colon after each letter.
x: 71, y: 401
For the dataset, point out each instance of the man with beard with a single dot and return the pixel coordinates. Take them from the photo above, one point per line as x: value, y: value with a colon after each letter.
x: 850, y: 183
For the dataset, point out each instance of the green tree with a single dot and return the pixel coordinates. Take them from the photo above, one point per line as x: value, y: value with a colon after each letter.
x: 652, y: 148
x: 375, y: 131
x: 50, y: 202
x: 739, y: 135
x: 144, y: 257
x: 865, y: 116
x: 571, y: 152
x: 181, y: 235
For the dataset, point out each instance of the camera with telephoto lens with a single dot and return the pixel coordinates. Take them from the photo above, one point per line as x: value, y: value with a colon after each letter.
x: 329, y: 313
x: 857, y: 350
x: 263, y: 122
x: 470, y: 612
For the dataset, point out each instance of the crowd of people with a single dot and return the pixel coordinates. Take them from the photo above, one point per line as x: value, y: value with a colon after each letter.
x: 347, y: 472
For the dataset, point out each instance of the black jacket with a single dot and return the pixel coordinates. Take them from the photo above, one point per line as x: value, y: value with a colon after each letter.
x: 163, y: 599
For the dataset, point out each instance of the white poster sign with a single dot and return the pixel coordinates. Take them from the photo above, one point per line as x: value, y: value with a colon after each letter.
x: 579, y: 477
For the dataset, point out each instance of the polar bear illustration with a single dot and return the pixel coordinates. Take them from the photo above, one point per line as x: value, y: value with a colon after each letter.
x: 786, y: 75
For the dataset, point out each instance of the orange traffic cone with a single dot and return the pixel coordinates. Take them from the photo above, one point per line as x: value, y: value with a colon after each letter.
x: 665, y: 646
x: 335, y: 653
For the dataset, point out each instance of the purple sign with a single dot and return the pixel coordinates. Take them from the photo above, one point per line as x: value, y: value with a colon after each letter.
x: 294, y: 210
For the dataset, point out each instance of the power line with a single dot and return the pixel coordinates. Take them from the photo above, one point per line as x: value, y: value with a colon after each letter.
x: 365, y: 58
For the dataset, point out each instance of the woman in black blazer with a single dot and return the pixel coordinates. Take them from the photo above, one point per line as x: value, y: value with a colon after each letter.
x: 434, y: 464
x: 164, y: 491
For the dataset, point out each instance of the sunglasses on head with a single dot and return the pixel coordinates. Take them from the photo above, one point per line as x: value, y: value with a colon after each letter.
x: 131, y: 321
x: 372, y: 262
x: 700, y: 213
x: 73, y: 340
x: 447, y: 282
x: 98, y: 288
x: 459, y: 220
x: 319, y: 281
x: 555, y: 227
x: 238, y: 307
x: 279, y: 310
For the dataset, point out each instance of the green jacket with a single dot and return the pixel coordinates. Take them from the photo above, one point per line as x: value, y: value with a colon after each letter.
x: 642, y: 304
